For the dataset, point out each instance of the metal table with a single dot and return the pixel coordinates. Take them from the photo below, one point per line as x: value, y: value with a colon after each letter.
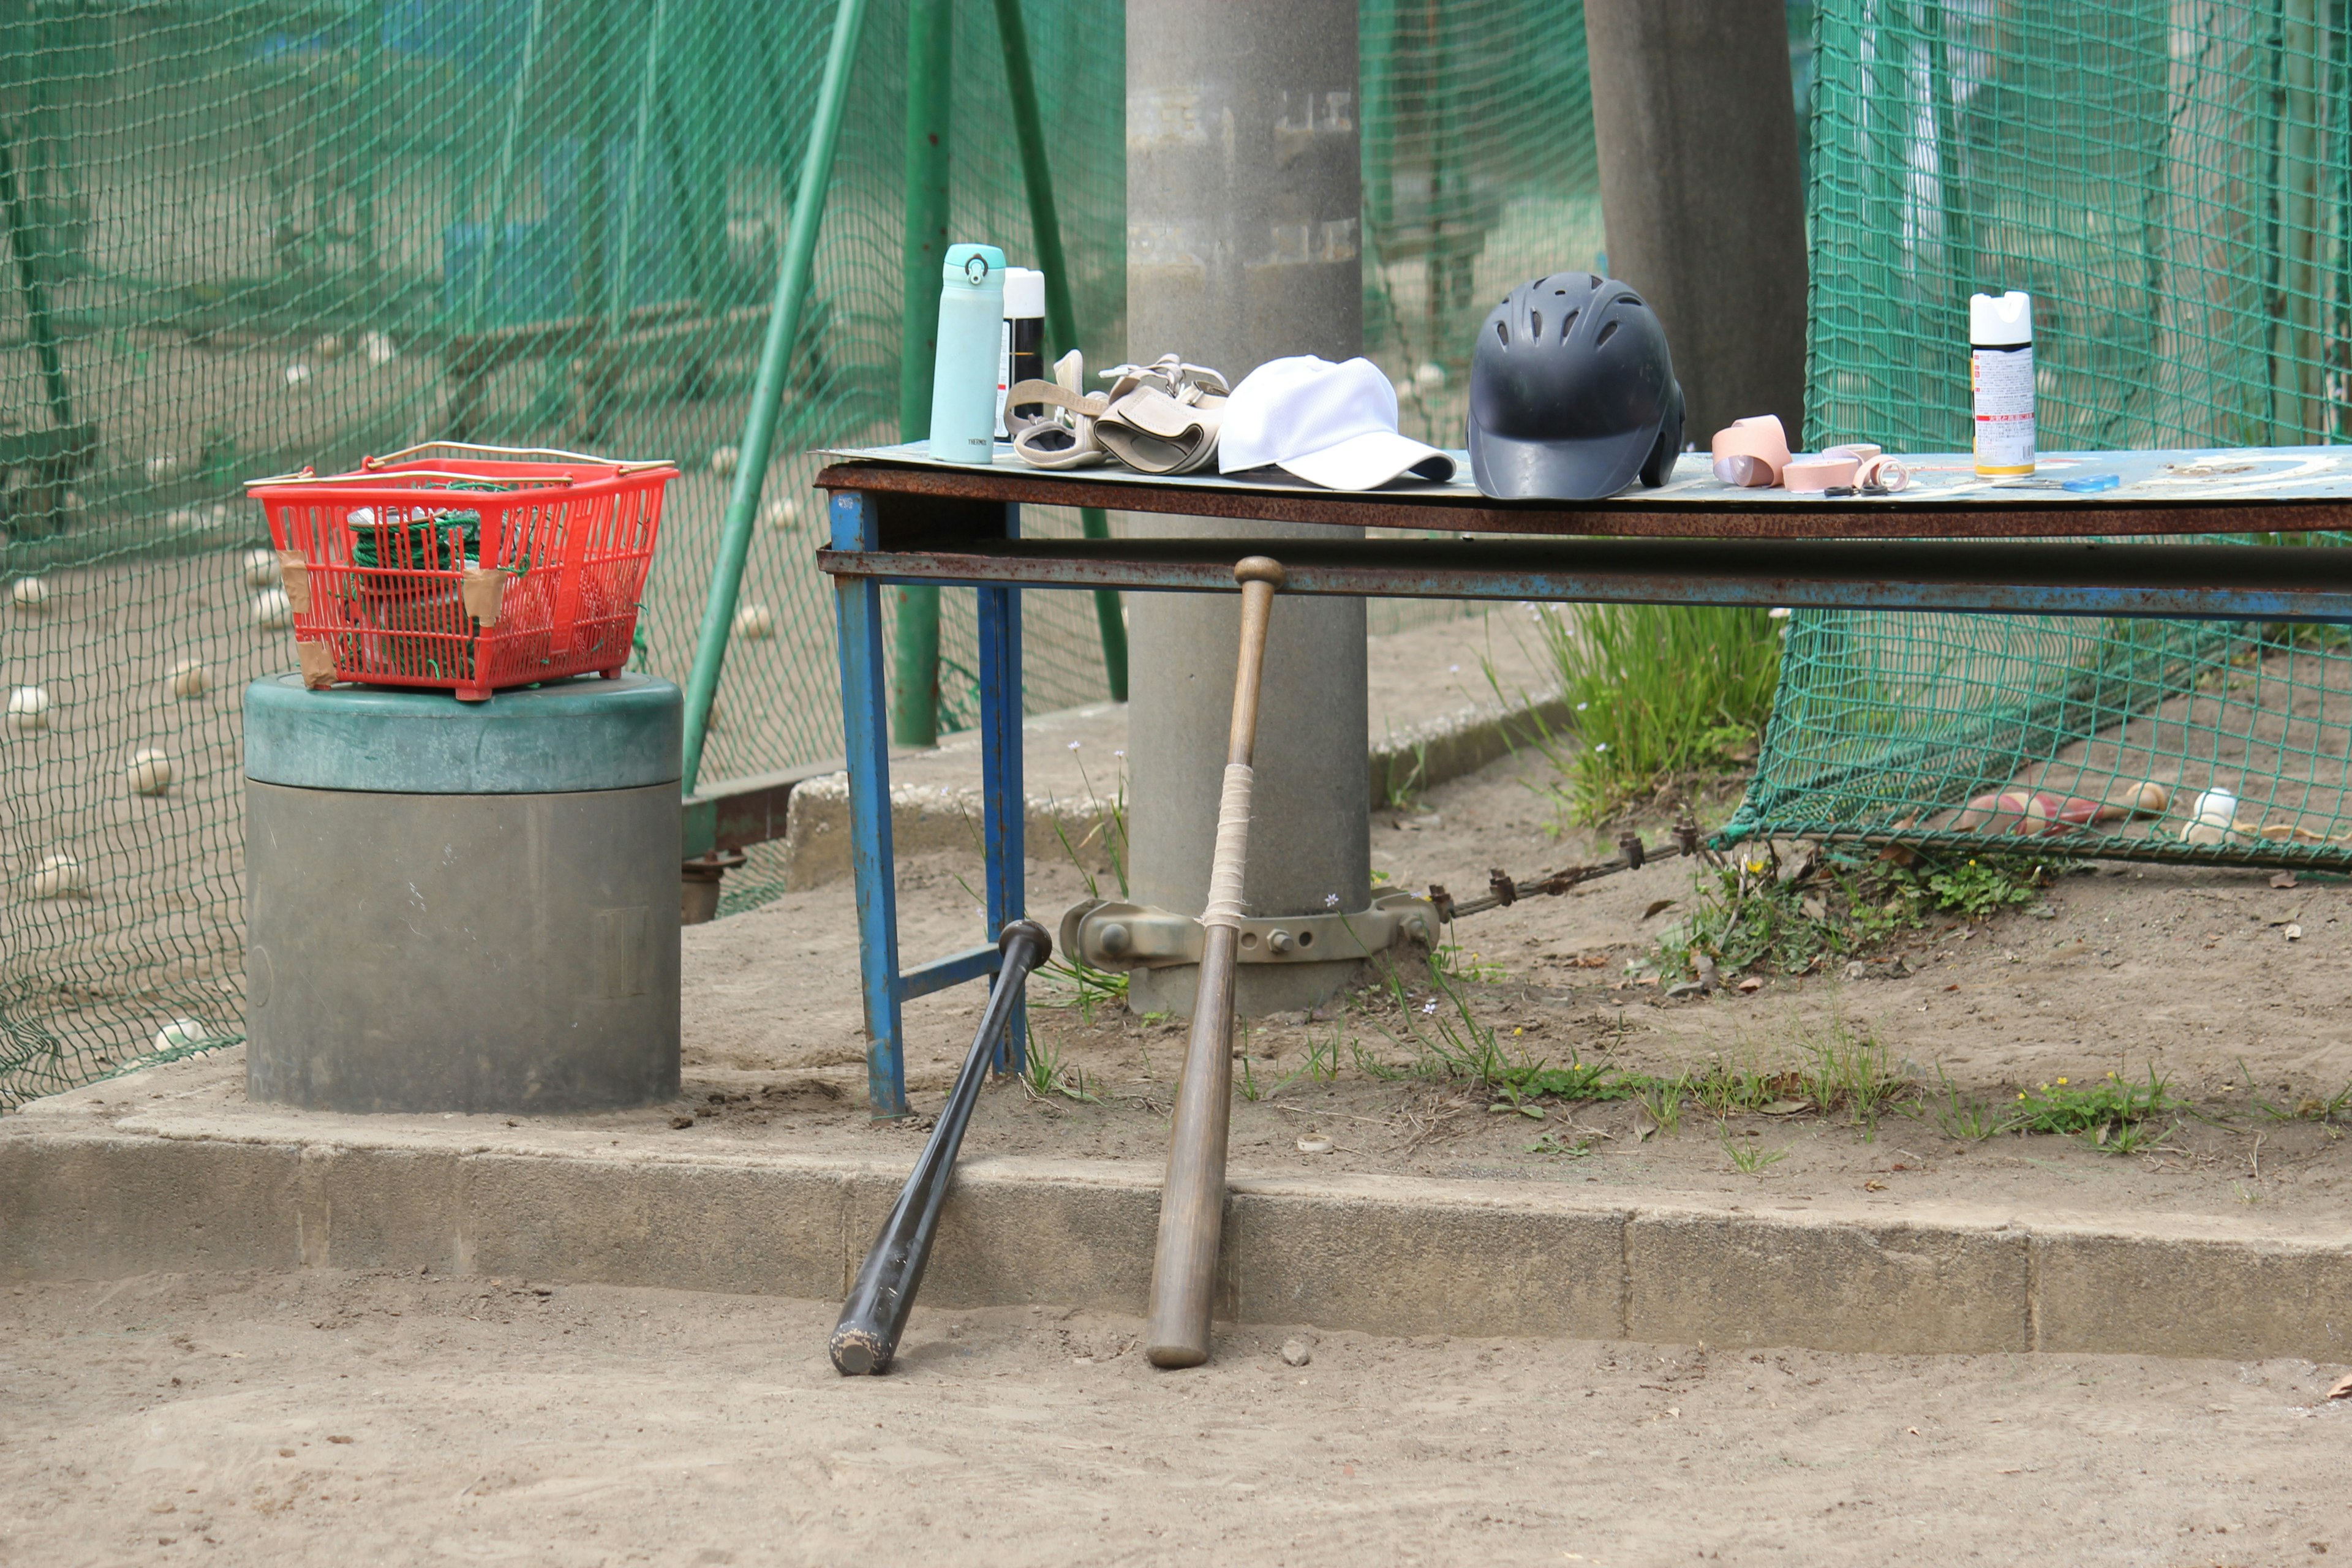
x: 1950, y: 542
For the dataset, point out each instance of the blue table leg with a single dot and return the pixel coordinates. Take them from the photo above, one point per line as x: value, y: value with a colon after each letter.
x: 865, y: 725
x: 1001, y: 793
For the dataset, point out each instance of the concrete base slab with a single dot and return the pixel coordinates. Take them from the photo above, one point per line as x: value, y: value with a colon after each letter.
x: 136, y: 1175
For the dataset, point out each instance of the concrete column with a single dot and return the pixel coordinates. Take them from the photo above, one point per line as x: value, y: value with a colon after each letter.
x: 1703, y: 196
x: 1244, y: 244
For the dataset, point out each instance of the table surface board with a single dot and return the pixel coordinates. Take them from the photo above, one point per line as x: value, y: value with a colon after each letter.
x: 2197, y: 490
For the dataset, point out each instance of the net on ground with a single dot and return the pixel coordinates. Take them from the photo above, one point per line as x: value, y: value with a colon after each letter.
x: 2172, y: 181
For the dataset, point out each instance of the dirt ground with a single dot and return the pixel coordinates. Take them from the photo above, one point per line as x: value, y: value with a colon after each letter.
x: 401, y: 1418
x: 2117, y: 969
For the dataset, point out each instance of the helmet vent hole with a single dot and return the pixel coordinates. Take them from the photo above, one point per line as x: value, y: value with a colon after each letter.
x: 1596, y: 282
x: 1608, y: 330
x: 1503, y: 333
x: 1535, y: 325
x: 1632, y: 299
x: 1569, y: 325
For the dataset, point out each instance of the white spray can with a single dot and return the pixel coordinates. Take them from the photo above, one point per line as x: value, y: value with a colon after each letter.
x: 2001, y: 378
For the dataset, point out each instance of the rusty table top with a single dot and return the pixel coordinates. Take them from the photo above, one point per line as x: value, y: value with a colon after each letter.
x: 2290, y: 490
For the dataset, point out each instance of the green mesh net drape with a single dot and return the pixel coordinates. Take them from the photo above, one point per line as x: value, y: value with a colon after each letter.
x: 2171, y: 180
x: 242, y: 236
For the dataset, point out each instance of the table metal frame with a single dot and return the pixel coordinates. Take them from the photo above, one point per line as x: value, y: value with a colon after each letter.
x: 907, y: 523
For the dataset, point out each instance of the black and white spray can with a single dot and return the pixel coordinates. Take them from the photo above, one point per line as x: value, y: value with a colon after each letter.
x: 1022, y: 355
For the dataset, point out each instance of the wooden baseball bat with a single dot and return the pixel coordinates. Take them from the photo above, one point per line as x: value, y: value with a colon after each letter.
x: 1192, y: 1200
x: 875, y: 1313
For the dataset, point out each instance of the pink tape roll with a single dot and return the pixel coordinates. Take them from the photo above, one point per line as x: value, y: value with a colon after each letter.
x: 1819, y: 473
x: 1886, y: 473
x: 1751, y: 452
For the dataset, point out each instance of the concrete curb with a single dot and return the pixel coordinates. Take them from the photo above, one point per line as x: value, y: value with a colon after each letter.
x: 1395, y: 1256
x: 928, y: 817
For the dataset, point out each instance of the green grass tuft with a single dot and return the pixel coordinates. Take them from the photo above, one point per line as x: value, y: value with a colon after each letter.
x: 1746, y: 915
x: 2113, y: 1115
x: 1658, y: 691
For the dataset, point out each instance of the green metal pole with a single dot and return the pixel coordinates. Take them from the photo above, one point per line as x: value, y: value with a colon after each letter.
x: 616, y: 292
x: 1061, y: 318
x: 488, y: 256
x: 37, y: 324
x: 1379, y: 65
x: 768, y: 389
x: 930, y: 83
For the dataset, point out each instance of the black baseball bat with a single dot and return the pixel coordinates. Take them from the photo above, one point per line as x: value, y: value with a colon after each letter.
x: 875, y: 1313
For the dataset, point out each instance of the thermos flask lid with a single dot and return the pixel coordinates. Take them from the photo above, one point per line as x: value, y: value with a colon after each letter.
x: 975, y: 266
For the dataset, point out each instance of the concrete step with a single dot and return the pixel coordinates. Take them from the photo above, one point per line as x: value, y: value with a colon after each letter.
x: 1443, y: 700
x: 151, y: 1173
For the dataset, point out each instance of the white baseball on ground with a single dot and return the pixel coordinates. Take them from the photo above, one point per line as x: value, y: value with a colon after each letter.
x: 149, y: 772
x: 61, y: 876
x: 29, y: 710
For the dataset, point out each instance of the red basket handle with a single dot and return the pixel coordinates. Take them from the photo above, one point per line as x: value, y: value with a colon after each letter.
x: 625, y: 466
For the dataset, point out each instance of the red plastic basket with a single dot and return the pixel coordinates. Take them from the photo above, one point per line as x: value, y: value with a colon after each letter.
x: 466, y: 569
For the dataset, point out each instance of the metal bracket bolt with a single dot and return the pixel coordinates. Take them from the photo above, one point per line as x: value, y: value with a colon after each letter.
x: 1109, y: 935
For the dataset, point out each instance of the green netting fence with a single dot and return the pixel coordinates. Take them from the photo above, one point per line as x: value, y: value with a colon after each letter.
x: 244, y: 237
x: 241, y: 236
x: 2172, y: 181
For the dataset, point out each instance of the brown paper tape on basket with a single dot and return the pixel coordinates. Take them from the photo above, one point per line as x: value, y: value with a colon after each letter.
x: 483, y: 591
x: 318, y: 661
x: 295, y: 572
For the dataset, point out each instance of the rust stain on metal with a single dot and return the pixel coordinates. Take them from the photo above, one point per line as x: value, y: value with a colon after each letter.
x: 1970, y: 518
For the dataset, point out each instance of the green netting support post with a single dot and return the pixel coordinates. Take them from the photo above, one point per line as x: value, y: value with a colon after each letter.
x: 619, y: 277
x: 1061, y: 318
x: 930, y: 84
x: 1377, y: 53
x: 768, y: 389
x: 38, y: 326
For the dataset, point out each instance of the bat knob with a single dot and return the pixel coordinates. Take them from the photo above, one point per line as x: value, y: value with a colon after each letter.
x: 1258, y: 569
x: 1025, y: 931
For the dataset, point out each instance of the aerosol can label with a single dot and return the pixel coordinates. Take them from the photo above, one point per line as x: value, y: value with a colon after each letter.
x: 2001, y: 381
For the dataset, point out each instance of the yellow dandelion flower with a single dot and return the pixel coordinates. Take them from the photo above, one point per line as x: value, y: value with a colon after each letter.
x: 2062, y: 1083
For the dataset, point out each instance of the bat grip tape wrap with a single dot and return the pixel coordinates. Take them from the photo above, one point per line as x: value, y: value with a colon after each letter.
x: 1233, y: 849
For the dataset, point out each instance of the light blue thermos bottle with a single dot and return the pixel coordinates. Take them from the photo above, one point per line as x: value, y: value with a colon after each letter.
x: 964, y: 377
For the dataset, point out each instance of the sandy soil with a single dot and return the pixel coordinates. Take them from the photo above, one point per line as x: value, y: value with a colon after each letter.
x: 400, y: 1419
x: 2119, y: 969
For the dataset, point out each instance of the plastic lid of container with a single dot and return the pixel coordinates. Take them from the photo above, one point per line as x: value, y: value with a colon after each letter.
x: 2001, y: 323
x: 980, y: 266
x: 564, y: 737
x: 1024, y: 291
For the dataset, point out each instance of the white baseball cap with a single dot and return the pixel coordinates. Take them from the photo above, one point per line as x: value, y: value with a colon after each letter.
x: 1331, y: 424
